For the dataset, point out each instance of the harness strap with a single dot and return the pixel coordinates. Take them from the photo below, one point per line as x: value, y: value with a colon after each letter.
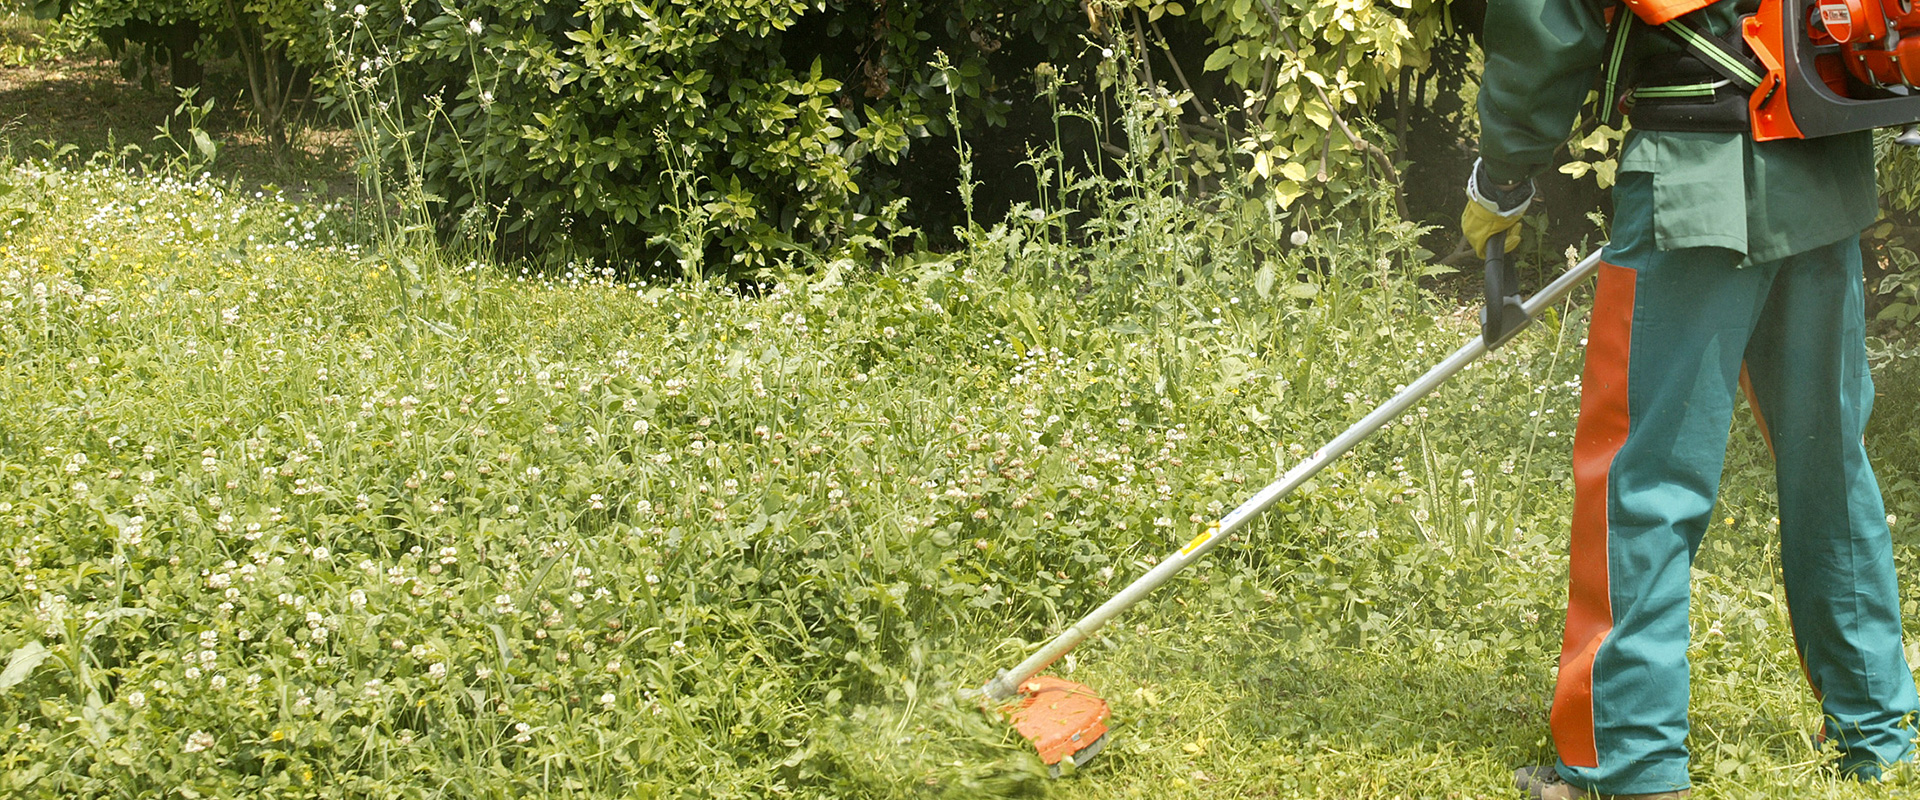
x: 1731, y: 64
x: 1685, y: 90
x: 1616, y: 76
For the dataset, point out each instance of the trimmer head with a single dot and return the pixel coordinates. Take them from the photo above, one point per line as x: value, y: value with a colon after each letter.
x: 1064, y: 720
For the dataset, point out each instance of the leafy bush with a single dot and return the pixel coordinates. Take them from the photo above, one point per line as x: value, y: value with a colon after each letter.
x: 618, y: 130
x: 744, y: 131
x: 145, y: 33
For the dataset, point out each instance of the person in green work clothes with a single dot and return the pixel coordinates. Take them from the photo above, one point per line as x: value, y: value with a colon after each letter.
x: 1733, y: 264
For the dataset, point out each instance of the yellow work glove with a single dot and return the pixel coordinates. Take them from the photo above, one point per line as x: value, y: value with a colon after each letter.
x: 1491, y: 212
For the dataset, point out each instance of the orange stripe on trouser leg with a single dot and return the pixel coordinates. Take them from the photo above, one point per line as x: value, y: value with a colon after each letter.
x: 1753, y: 402
x: 1601, y: 432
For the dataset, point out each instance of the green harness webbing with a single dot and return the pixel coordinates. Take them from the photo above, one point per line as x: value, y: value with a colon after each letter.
x: 1734, y: 66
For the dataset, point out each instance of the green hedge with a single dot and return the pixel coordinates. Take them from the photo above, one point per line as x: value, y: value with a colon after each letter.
x: 632, y: 130
x: 727, y: 134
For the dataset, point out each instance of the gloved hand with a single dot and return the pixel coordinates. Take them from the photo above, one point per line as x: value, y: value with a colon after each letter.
x: 1492, y: 208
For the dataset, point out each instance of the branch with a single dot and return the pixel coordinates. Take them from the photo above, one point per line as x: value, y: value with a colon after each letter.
x: 1205, y: 115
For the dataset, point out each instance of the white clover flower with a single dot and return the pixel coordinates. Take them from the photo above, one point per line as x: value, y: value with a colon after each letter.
x: 322, y: 553
x: 523, y: 732
x: 503, y: 604
x: 608, y: 699
x: 136, y: 699
x: 197, y: 741
x: 1299, y: 238
x: 437, y: 670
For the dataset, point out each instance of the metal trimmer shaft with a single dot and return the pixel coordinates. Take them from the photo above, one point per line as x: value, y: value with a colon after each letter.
x: 1007, y: 684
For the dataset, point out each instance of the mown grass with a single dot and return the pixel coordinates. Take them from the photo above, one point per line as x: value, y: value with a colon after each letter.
x: 292, y: 514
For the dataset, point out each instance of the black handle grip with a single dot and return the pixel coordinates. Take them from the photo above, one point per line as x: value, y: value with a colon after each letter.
x: 1504, y: 314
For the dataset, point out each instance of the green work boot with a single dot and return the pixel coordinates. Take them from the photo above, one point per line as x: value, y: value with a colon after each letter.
x: 1542, y: 783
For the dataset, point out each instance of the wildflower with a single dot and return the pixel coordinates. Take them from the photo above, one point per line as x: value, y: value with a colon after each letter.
x: 136, y: 699
x: 503, y: 604
x: 197, y: 741
x: 1299, y: 238
x: 322, y: 553
x: 523, y: 732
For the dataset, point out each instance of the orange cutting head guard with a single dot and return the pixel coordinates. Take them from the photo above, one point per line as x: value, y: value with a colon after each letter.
x: 1064, y: 720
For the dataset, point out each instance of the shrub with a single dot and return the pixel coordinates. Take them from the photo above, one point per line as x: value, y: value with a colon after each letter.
x: 622, y: 130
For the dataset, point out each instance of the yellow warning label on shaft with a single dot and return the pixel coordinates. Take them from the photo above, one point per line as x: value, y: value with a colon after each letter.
x: 1204, y: 537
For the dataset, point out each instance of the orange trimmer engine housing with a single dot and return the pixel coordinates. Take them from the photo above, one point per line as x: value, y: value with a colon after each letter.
x: 1833, y: 66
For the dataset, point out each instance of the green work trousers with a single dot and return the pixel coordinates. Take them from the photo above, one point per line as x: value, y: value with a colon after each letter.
x: 1670, y: 334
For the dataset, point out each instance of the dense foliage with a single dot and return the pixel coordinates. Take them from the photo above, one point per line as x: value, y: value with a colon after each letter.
x: 755, y: 128
x: 613, y: 129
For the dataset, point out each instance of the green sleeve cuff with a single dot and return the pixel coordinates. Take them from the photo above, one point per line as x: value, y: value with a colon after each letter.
x: 1505, y: 171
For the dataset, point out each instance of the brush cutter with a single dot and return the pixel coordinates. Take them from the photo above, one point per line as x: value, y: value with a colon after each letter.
x: 1066, y: 721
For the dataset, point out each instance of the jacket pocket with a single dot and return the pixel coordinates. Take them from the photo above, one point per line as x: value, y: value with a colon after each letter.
x: 1699, y: 188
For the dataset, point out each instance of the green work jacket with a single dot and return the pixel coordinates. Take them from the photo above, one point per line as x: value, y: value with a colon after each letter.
x: 1764, y: 200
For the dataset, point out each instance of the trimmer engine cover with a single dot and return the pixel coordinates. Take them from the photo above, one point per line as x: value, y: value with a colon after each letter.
x: 1834, y: 66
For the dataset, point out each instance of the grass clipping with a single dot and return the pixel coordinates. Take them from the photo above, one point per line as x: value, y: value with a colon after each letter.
x: 940, y: 740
